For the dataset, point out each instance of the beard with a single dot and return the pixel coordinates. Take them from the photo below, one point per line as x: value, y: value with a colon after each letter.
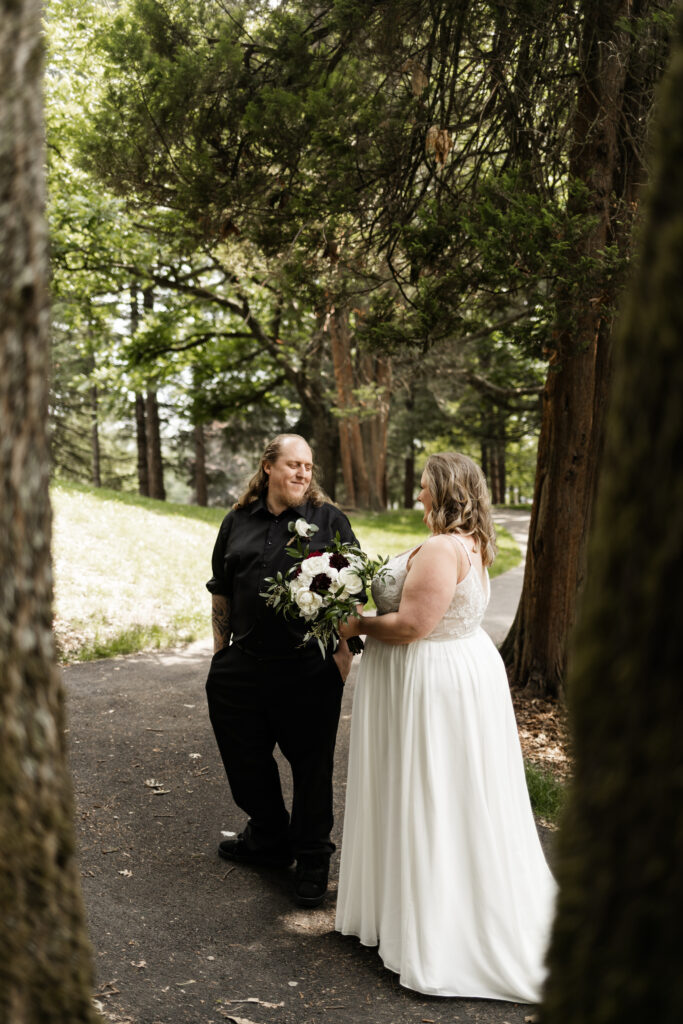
x: 296, y: 491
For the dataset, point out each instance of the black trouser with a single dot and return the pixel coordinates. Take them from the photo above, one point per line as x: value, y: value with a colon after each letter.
x: 257, y: 703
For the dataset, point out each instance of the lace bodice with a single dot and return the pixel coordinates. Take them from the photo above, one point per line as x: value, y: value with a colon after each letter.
x: 463, y: 615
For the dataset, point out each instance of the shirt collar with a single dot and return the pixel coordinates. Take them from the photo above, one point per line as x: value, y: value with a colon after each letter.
x: 260, y: 505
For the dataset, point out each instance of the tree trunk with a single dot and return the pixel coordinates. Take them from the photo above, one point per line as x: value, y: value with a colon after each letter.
x: 95, y: 437
x: 362, y: 438
x: 354, y: 469
x: 570, y: 441
x: 409, y: 478
x: 155, y: 466
x: 45, y: 966
x: 200, y: 488
x: 140, y: 421
x: 325, y: 443
x: 375, y: 371
x: 141, y: 439
x: 616, y: 947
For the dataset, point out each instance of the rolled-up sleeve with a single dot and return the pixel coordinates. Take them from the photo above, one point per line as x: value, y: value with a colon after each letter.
x: 218, y: 584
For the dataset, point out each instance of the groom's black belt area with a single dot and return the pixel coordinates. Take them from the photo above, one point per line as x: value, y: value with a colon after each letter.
x: 262, y: 650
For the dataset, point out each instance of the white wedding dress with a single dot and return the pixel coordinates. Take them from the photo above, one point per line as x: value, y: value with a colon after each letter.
x: 441, y: 862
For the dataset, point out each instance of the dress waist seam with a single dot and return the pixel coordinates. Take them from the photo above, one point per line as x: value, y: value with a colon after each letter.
x: 450, y: 638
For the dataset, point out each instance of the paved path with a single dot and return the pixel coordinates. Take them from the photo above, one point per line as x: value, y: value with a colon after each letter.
x: 505, y: 589
x: 181, y: 937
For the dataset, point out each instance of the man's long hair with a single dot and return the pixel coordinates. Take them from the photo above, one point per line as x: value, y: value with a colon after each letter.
x: 258, y: 485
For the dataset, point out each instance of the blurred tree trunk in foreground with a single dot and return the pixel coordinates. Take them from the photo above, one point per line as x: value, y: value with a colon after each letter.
x: 617, y: 945
x: 45, y: 966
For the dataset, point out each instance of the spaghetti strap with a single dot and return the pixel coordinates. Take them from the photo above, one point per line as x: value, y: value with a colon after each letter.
x: 462, y: 545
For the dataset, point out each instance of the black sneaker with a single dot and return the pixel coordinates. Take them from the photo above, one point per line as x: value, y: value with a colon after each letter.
x: 238, y: 851
x: 310, y: 884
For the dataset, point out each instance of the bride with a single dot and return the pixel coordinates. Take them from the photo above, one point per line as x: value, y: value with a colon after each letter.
x: 441, y: 862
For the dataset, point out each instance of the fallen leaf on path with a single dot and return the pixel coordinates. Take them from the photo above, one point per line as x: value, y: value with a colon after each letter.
x: 255, y: 999
x: 108, y: 989
x: 140, y: 964
x: 126, y: 873
x: 158, y: 787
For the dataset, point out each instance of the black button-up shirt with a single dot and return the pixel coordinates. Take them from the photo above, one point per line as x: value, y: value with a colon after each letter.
x: 250, y: 547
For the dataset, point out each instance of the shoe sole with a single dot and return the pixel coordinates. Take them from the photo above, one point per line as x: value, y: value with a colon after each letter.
x: 309, y: 902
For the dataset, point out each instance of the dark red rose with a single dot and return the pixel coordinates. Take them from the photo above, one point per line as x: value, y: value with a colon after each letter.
x: 320, y: 583
x: 338, y: 561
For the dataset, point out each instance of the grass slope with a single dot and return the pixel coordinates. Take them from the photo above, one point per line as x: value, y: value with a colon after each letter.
x: 130, y: 571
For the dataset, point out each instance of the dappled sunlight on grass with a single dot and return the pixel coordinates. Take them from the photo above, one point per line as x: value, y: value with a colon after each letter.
x: 126, y: 576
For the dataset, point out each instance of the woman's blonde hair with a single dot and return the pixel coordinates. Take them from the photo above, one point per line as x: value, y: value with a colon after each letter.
x: 258, y: 484
x: 460, y: 500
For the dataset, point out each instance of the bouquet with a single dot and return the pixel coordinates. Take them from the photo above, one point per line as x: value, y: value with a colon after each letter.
x: 323, y: 587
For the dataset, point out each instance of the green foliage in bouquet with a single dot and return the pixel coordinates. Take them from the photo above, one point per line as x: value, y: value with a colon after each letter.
x: 324, y: 587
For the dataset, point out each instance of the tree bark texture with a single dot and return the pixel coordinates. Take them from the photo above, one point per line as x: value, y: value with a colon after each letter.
x: 580, y: 366
x: 362, y: 438
x: 616, y: 947
x: 45, y: 962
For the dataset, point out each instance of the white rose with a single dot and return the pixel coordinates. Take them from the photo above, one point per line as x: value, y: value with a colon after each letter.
x: 297, y: 583
x: 304, y: 529
x: 310, y: 567
x: 309, y: 603
x: 350, y: 580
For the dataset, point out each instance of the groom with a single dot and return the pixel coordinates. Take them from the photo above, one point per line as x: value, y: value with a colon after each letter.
x: 264, y: 688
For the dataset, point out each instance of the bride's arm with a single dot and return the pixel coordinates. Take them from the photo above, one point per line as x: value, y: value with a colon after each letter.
x: 427, y: 593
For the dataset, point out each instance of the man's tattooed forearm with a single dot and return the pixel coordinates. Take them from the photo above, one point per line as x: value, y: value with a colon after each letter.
x: 220, y: 620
